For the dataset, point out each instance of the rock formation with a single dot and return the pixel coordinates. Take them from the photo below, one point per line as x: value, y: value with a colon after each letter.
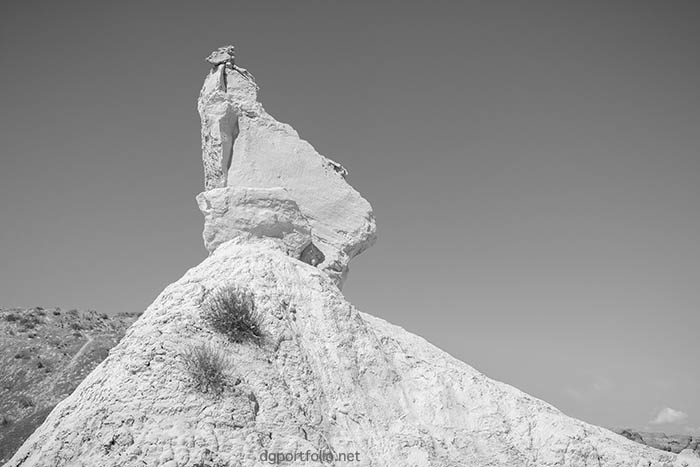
x: 281, y: 224
x: 662, y: 441
x: 244, y: 147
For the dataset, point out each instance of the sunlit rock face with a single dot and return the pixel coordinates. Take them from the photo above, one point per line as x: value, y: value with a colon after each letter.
x: 281, y: 224
x: 244, y: 147
x: 243, y: 213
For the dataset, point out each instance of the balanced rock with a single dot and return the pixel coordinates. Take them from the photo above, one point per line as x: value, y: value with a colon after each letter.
x: 244, y: 147
x: 226, y: 54
x: 316, y: 374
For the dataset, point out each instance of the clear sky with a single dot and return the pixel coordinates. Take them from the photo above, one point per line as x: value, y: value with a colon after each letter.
x: 534, y: 169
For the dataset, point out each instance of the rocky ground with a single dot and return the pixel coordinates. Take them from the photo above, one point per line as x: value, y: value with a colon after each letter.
x: 44, y: 355
x: 662, y: 441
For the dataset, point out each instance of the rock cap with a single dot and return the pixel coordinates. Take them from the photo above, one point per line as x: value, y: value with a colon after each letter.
x: 225, y: 54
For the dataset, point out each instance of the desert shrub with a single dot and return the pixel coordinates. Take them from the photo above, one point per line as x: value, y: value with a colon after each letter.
x: 11, y: 317
x: 25, y: 402
x: 206, y: 367
x: 75, y: 326
x: 28, y: 321
x: 231, y: 311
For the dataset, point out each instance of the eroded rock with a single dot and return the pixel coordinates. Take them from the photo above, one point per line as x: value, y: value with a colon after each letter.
x: 245, y: 213
x: 225, y: 54
x: 326, y: 377
x: 243, y: 146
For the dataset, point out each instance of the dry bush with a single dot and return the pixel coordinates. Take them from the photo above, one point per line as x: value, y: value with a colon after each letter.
x: 25, y: 401
x: 231, y: 311
x: 206, y: 367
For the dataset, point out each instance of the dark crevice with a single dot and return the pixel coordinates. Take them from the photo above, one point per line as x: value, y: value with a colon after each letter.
x: 312, y: 255
x: 223, y: 78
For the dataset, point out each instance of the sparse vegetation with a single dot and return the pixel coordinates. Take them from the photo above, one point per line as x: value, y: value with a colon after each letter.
x: 37, y: 368
x: 231, y: 311
x: 25, y: 402
x: 28, y: 321
x: 206, y: 367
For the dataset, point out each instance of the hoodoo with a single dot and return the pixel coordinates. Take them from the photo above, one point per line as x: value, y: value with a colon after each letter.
x: 244, y: 148
x: 255, y: 357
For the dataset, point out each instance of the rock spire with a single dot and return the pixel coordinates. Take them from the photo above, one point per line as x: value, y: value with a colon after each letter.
x: 251, y: 158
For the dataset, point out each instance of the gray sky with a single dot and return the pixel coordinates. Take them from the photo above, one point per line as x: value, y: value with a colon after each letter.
x: 534, y: 170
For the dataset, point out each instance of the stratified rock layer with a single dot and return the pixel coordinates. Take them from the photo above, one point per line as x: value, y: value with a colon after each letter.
x: 243, y: 213
x: 244, y: 147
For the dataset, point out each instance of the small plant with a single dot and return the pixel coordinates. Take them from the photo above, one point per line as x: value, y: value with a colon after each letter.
x: 28, y: 321
x: 206, y: 367
x: 11, y: 317
x: 25, y: 402
x: 231, y: 311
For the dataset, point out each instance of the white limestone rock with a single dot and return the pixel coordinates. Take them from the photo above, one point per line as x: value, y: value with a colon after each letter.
x: 243, y: 146
x: 242, y: 213
x: 325, y: 376
x: 222, y: 55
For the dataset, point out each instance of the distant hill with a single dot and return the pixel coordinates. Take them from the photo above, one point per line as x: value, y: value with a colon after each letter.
x: 662, y: 441
x: 44, y: 355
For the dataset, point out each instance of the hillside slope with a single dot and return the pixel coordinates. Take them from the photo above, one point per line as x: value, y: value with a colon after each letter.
x: 44, y: 355
x: 662, y: 441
